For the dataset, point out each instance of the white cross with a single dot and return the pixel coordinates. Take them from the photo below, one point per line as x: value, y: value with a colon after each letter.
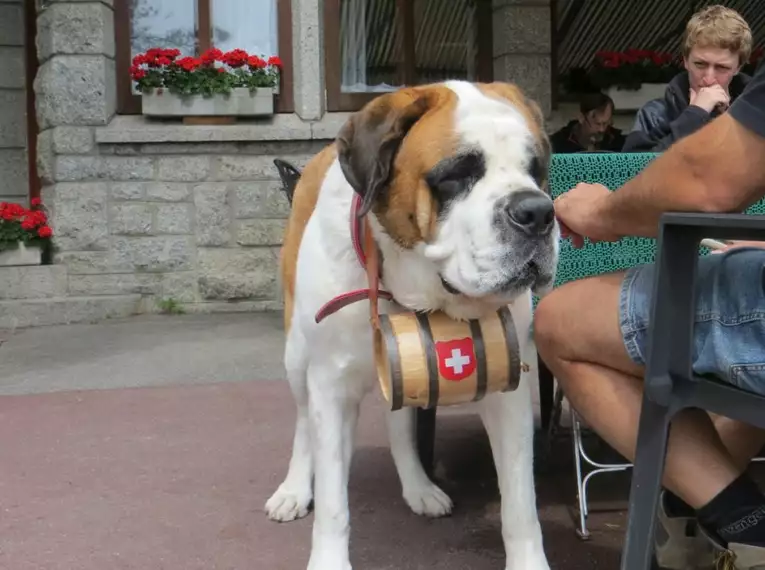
x: 457, y: 361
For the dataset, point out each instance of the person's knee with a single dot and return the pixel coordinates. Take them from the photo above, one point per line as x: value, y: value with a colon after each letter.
x: 580, y: 322
x: 547, y: 329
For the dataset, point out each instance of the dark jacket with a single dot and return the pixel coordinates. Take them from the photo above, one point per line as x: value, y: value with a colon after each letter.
x: 662, y: 122
x: 564, y: 141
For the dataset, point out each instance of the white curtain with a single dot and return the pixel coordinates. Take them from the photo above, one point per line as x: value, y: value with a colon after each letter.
x: 353, y: 45
x: 250, y: 25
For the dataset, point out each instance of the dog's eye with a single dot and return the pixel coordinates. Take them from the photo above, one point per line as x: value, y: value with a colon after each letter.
x: 455, y: 176
x: 450, y: 188
x: 537, y: 170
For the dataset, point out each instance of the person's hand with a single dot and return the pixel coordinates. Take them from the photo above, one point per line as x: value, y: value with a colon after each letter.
x: 710, y: 97
x: 739, y: 243
x: 580, y: 213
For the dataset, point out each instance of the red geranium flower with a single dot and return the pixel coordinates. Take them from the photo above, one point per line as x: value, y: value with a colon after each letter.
x: 211, y: 56
x: 189, y: 63
x: 45, y: 232
x: 235, y: 58
x: 256, y: 62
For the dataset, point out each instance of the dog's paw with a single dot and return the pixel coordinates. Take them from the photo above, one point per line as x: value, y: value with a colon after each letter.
x: 428, y: 500
x: 288, y: 505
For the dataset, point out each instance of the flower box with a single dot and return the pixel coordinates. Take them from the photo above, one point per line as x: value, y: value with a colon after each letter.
x: 215, y: 84
x: 20, y: 255
x: 240, y: 102
x: 633, y: 99
x: 24, y: 234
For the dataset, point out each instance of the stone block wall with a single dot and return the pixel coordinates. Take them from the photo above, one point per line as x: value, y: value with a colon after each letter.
x: 197, y: 223
x: 14, y: 171
x: 196, y: 219
x: 522, y: 37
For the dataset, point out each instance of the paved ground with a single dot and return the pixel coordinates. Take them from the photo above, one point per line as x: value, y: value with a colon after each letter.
x: 152, y: 443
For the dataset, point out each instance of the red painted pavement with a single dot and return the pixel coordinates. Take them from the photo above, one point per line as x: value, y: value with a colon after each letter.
x: 175, y: 478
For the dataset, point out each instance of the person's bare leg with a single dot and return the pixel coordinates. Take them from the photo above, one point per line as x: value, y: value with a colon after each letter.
x: 577, y: 334
x: 743, y: 441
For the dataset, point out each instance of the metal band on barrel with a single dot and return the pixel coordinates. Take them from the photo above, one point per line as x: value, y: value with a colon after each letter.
x: 482, y: 378
x: 511, y: 340
x: 429, y: 349
x: 394, y: 358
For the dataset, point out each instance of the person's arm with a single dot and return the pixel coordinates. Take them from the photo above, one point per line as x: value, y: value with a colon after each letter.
x: 719, y: 168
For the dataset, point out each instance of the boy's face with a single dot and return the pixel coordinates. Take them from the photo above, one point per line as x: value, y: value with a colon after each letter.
x: 711, y: 66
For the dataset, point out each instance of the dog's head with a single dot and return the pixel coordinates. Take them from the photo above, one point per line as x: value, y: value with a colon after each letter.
x: 456, y: 173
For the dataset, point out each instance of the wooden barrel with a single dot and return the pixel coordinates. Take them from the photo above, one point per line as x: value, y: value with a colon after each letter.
x: 427, y: 360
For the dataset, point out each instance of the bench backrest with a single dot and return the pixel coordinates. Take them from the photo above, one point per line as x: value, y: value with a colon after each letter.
x: 612, y: 170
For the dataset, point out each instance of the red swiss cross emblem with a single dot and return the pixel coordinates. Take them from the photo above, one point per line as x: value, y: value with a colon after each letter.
x: 456, y: 358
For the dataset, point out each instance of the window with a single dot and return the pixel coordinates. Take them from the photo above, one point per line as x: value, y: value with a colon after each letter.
x: 374, y: 46
x: 262, y: 27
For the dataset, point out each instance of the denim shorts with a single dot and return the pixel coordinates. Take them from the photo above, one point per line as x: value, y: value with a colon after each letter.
x: 729, y: 333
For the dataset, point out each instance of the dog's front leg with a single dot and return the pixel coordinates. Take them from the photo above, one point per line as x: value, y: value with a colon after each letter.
x: 422, y: 495
x: 333, y: 410
x: 509, y: 423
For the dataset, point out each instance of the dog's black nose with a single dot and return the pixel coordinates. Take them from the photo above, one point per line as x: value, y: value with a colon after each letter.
x: 531, y: 211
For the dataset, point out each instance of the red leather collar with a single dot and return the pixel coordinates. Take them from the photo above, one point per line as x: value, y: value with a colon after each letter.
x: 345, y: 299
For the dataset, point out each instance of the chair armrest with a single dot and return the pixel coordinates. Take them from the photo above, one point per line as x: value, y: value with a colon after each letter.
x: 670, y: 351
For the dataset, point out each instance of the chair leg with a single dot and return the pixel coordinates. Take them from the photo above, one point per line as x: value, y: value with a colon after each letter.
x: 648, y: 470
x: 582, y: 481
x: 426, y: 437
x: 581, y: 489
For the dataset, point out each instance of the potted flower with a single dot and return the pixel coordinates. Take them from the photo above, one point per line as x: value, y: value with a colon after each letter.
x: 24, y: 233
x: 633, y: 77
x: 233, y: 83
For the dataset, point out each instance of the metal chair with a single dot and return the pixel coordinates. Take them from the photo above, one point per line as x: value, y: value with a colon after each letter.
x: 670, y: 386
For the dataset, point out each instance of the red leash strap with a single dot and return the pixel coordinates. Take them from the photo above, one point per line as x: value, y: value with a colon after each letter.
x: 369, y: 258
x: 334, y: 305
x: 373, y: 275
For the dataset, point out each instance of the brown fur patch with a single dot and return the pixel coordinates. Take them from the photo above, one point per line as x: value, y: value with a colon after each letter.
x: 410, y: 212
x: 386, y: 148
x: 303, y: 204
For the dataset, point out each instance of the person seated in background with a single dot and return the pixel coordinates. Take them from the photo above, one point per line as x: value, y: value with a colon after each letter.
x: 716, y: 43
x: 592, y: 130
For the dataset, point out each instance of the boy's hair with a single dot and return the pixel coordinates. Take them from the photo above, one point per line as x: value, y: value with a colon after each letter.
x: 718, y: 27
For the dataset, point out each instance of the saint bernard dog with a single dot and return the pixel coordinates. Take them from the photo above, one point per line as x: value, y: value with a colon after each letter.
x: 451, y: 179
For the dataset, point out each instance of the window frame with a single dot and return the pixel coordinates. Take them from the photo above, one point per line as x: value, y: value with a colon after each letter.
x: 337, y: 101
x: 129, y: 103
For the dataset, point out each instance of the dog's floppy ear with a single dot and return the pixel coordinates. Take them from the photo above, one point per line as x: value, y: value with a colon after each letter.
x: 369, y: 141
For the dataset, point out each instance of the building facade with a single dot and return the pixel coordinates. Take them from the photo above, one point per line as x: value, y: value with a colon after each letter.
x: 151, y: 214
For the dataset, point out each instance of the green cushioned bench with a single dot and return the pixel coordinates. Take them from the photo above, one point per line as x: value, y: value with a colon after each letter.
x: 612, y: 170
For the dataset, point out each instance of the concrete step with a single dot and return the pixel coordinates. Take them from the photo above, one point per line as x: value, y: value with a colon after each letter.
x: 32, y: 282
x: 22, y: 313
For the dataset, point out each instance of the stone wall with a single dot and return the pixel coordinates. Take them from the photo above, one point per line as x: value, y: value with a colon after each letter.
x: 14, y: 172
x: 194, y: 223
x: 522, y: 38
x: 188, y: 214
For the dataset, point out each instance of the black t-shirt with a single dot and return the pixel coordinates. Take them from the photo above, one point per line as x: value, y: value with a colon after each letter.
x: 749, y: 108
